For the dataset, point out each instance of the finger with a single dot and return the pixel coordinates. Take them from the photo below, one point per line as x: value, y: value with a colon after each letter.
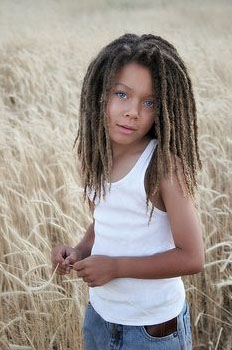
x: 81, y: 274
x: 58, y: 265
x: 59, y: 254
x: 70, y: 259
x: 59, y: 272
x: 69, y: 262
x: 91, y: 284
x: 63, y: 271
x: 78, y: 266
x: 67, y: 269
x: 55, y: 266
x: 57, y: 262
x: 59, y: 269
x: 87, y: 279
x: 59, y: 259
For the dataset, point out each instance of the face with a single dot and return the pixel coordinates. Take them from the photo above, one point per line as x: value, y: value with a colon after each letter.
x: 131, y: 104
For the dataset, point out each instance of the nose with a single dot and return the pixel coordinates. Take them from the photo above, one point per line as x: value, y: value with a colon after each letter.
x: 133, y: 110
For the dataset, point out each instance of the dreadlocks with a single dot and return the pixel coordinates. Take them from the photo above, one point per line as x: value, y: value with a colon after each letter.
x: 175, y: 126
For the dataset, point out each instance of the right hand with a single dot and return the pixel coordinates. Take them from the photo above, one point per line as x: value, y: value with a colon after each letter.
x: 66, y: 257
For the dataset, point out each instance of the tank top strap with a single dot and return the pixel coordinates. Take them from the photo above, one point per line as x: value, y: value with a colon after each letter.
x: 137, y: 170
x: 138, y: 166
x: 146, y: 156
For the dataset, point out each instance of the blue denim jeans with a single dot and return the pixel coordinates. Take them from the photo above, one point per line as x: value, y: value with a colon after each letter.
x: 102, y: 335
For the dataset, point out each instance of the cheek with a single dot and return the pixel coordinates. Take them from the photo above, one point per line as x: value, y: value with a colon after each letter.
x: 148, y: 125
x: 148, y: 119
x: 112, y: 110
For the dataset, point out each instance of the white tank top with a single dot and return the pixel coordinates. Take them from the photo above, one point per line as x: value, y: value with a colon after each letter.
x: 121, y: 229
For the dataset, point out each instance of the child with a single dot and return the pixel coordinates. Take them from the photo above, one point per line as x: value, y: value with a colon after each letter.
x: 138, y: 148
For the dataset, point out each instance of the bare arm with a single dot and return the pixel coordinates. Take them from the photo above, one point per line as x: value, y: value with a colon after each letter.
x: 63, y: 257
x: 187, y: 257
x: 86, y: 244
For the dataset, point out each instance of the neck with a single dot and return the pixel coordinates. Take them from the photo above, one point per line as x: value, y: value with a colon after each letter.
x: 120, y: 150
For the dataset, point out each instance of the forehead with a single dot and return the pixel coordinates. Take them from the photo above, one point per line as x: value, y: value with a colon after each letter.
x: 135, y: 77
x: 132, y: 68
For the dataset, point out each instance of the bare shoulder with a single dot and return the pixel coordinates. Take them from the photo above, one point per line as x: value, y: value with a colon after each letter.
x: 92, y: 206
x: 182, y: 214
x: 169, y: 189
x: 168, y: 185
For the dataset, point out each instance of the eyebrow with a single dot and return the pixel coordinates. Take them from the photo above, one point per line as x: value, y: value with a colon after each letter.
x: 131, y: 88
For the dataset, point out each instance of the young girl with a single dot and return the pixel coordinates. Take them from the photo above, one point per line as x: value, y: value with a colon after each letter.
x: 138, y: 148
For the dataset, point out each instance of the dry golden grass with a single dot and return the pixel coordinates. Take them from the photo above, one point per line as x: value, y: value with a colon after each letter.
x: 45, y: 48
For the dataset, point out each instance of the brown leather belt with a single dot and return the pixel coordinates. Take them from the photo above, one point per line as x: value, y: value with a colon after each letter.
x: 162, y: 329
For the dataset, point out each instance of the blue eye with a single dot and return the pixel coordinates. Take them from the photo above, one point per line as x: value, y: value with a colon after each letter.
x: 120, y: 93
x: 152, y: 103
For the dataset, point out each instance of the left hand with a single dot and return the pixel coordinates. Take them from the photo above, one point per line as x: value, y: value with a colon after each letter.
x: 96, y: 270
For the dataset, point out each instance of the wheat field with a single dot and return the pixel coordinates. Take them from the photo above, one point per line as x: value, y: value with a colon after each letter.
x: 45, y: 48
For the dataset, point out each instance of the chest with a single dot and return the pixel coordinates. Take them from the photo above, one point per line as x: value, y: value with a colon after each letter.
x: 122, y: 167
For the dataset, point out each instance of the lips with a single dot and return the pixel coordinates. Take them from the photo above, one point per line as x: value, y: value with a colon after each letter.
x: 127, y: 127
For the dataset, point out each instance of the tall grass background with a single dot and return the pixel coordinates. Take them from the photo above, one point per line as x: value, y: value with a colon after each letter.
x: 45, y: 48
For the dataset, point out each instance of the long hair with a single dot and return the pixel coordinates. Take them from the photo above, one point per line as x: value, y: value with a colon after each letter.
x: 175, y: 125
